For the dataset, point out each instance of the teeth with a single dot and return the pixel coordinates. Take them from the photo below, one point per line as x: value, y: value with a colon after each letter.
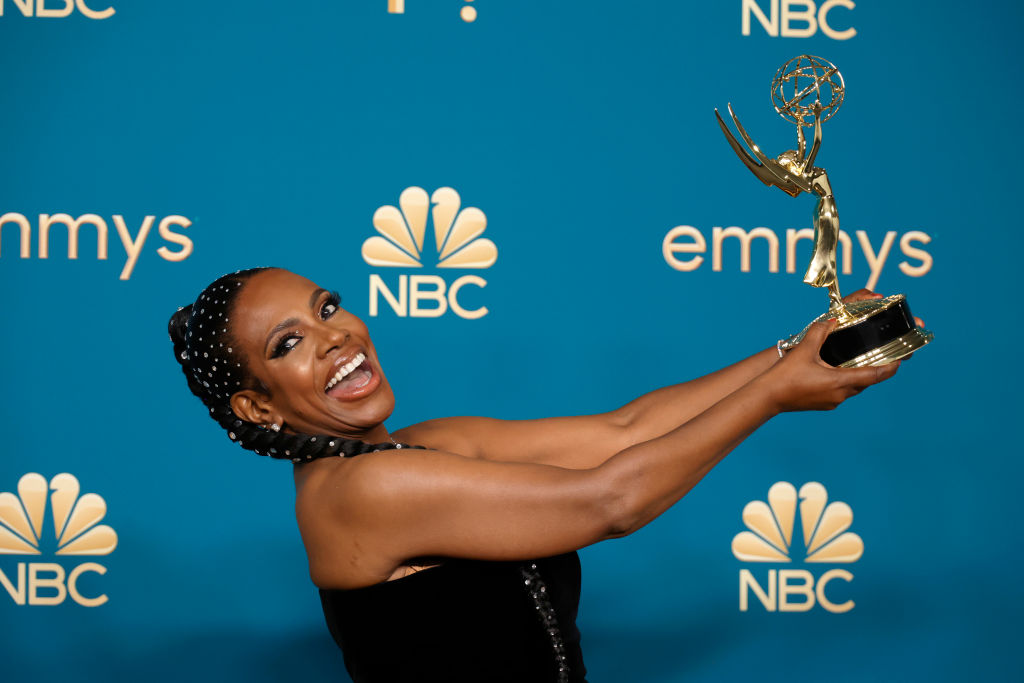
x: 345, y: 370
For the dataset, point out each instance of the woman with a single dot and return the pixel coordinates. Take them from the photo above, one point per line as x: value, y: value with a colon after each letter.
x: 426, y: 546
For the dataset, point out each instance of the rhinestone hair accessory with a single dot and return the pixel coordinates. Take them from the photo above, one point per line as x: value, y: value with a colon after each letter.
x: 214, y: 363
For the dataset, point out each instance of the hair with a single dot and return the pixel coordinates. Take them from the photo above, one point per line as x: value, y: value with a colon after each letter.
x: 215, y: 369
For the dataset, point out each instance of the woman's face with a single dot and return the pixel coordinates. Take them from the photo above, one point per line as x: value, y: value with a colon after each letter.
x: 314, y: 358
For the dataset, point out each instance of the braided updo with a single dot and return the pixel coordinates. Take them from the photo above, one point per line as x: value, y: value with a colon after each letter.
x: 215, y: 370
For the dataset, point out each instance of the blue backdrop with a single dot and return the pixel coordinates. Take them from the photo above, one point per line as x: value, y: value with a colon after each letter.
x: 257, y: 133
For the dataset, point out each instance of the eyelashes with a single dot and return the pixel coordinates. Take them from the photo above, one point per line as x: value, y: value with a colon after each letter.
x: 330, y: 306
x: 285, y: 345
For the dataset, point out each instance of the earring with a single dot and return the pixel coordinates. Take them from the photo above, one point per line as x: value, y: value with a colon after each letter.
x: 276, y: 427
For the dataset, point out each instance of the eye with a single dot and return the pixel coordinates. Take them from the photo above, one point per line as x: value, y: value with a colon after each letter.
x: 285, y: 345
x: 330, y: 306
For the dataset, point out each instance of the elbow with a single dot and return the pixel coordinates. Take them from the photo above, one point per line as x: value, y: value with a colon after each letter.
x: 623, y: 426
x: 620, y: 507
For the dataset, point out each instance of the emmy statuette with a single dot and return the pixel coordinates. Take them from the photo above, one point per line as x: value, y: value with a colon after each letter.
x: 808, y: 91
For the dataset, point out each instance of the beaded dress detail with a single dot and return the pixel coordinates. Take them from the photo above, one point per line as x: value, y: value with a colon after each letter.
x: 538, y: 590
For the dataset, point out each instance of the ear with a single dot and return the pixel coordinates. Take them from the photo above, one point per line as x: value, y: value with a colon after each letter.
x: 253, y: 406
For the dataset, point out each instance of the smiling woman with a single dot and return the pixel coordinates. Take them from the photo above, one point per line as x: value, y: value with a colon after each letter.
x: 235, y: 367
x: 487, y: 514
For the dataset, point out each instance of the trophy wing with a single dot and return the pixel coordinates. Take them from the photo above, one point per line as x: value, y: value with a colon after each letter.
x: 757, y: 169
x: 768, y: 171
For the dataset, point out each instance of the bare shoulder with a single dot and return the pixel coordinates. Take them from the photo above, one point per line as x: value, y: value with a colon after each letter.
x: 449, y: 434
x: 323, y: 496
x: 340, y: 504
x: 336, y: 489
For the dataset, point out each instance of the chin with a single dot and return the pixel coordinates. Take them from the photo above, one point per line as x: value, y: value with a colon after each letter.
x: 366, y: 413
x: 359, y: 398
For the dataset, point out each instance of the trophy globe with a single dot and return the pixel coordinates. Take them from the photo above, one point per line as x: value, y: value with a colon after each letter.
x: 804, y: 81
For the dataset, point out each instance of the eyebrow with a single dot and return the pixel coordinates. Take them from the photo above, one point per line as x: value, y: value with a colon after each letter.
x: 316, y: 295
x: 285, y: 324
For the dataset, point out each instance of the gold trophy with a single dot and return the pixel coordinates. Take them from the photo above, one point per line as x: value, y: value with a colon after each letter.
x: 808, y: 91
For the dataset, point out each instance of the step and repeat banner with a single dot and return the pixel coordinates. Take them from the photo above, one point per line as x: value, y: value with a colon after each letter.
x: 534, y: 210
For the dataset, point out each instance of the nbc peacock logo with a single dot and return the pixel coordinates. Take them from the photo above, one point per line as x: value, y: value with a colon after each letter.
x: 770, y: 538
x: 403, y: 243
x: 76, y: 531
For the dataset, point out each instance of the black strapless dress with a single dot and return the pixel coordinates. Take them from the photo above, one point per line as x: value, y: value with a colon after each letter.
x: 465, y: 620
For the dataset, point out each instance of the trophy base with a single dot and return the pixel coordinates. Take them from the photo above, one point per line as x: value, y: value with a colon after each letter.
x: 877, y: 332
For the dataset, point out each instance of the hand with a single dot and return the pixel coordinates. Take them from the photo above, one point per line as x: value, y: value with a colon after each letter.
x: 861, y: 295
x: 803, y: 381
x: 864, y: 294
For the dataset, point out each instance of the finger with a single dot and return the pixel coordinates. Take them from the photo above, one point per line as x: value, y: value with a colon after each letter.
x: 918, y: 321
x: 888, y: 370
x: 817, y: 333
x: 865, y: 377
x: 861, y: 295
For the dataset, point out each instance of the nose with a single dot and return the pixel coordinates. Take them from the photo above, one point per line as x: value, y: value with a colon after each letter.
x: 333, y: 338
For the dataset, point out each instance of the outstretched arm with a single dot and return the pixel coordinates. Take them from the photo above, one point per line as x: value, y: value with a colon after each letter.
x: 586, y: 441
x: 377, y: 512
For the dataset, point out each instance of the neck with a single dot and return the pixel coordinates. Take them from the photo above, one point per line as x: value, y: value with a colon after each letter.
x: 378, y: 434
